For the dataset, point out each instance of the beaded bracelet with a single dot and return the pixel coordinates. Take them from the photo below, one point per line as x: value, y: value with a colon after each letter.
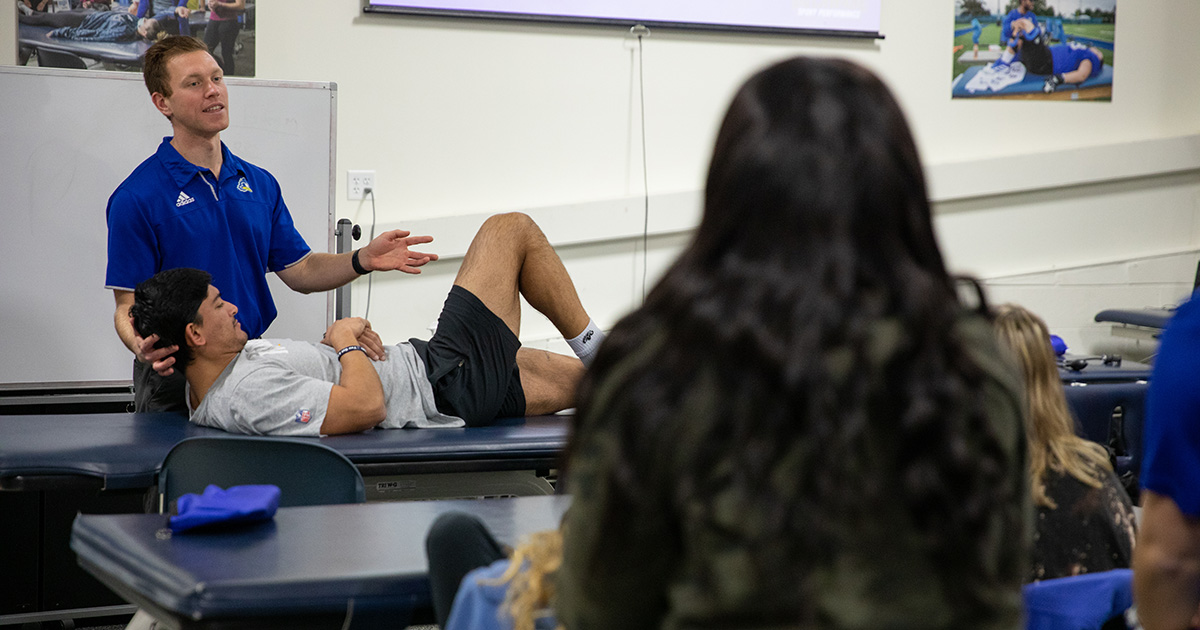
x: 350, y: 349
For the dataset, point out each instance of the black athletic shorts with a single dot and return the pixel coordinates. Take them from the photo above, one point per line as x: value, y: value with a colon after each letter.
x: 471, y: 361
x: 1035, y: 54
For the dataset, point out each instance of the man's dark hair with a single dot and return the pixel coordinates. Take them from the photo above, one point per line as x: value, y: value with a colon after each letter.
x: 166, y: 303
x: 154, y: 64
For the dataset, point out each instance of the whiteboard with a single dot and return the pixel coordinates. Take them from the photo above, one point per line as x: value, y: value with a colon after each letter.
x: 69, y: 137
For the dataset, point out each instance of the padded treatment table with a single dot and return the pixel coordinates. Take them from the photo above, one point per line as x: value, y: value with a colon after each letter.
x: 55, y: 465
x: 1111, y: 414
x: 124, y: 450
x: 311, y: 567
x: 1031, y: 87
x: 129, y: 53
x: 1097, y: 372
x: 1142, y: 323
x: 109, y: 451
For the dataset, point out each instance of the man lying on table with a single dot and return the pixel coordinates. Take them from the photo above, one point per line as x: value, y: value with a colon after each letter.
x: 473, y: 369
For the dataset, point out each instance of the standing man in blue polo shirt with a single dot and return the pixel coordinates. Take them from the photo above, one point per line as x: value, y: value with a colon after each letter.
x: 195, y: 204
x: 1166, y: 561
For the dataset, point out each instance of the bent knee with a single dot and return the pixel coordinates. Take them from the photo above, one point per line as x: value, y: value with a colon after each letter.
x: 509, y: 222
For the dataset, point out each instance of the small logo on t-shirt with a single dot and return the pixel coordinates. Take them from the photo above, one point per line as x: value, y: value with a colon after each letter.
x: 302, y: 416
x: 183, y: 200
x: 243, y: 186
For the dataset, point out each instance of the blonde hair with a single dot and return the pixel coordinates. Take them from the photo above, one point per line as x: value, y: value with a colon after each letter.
x: 1049, y: 426
x: 530, y: 578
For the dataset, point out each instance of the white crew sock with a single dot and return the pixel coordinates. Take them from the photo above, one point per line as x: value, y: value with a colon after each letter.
x: 587, y: 342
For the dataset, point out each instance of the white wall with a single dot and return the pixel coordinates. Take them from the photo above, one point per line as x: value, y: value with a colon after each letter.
x: 8, y: 33
x: 463, y: 119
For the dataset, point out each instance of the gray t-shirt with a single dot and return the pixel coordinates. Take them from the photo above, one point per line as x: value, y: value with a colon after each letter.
x: 281, y: 387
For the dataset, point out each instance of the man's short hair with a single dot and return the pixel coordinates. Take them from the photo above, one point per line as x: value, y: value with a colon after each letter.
x: 166, y: 303
x: 154, y: 65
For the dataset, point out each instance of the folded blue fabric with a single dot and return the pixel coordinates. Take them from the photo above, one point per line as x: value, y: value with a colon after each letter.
x: 1078, y: 602
x: 238, y: 504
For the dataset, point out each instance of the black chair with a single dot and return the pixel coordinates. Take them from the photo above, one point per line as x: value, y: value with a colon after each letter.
x: 57, y: 59
x: 306, y: 471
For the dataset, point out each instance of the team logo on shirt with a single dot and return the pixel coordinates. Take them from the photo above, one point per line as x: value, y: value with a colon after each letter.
x: 302, y: 416
x: 243, y: 186
x: 183, y: 200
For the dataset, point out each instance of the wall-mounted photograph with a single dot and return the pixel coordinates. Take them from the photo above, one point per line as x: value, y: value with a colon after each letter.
x: 115, y: 34
x: 1034, y: 49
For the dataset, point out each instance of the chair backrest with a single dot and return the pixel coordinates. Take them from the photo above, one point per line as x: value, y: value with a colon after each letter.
x: 1111, y: 414
x: 56, y: 59
x: 306, y: 471
x: 1079, y: 602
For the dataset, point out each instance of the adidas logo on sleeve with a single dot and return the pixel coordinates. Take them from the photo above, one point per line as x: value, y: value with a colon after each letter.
x: 183, y: 200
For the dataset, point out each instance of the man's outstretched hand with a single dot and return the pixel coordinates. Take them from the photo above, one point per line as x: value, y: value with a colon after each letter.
x: 390, y: 251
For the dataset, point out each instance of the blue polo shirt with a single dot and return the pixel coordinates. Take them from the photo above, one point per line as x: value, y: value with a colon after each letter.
x: 1171, y: 437
x: 171, y: 213
x: 1006, y: 30
x: 1068, y: 57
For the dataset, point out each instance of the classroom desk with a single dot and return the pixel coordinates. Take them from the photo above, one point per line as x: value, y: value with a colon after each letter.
x: 307, y: 568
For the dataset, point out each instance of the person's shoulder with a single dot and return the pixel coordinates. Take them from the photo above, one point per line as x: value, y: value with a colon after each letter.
x: 1186, y: 317
x: 148, y: 172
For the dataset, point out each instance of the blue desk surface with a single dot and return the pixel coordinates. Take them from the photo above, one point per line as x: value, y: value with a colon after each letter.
x: 304, y: 566
x: 125, y: 450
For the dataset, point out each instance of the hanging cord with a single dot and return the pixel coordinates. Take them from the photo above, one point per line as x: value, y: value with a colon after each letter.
x: 371, y: 192
x: 641, y: 32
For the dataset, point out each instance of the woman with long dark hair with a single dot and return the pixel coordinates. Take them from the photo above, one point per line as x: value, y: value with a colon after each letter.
x: 803, y: 426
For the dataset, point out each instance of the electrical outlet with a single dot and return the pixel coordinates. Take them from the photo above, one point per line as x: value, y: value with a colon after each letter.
x: 357, y: 182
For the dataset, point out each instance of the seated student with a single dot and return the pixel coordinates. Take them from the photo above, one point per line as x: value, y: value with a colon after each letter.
x: 478, y: 584
x: 473, y: 369
x: 1085, y: 520
x: 803, y: 426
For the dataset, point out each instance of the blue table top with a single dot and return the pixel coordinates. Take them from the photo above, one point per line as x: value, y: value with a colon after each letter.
x: 125, y: 450
x: 307, y: 561
x: 1097, y: 372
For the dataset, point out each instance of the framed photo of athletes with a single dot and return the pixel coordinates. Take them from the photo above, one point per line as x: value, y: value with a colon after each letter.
x: 1034, y: 49
x: 115, y: 34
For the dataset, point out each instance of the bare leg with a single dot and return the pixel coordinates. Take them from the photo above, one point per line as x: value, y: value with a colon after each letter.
x: 510, y: 257
x: 549, y: 380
